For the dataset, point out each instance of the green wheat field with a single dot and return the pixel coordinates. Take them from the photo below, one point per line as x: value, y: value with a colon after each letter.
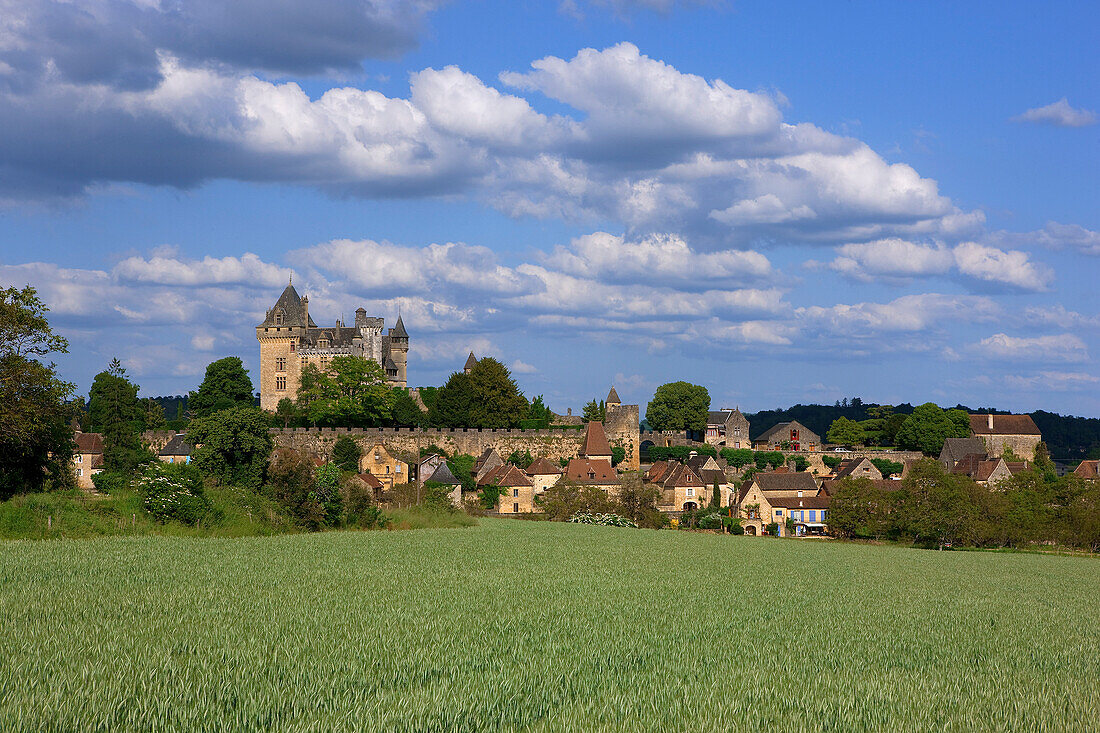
x: 541, y: 626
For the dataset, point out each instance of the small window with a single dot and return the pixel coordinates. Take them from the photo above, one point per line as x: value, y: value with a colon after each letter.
x: 799, y: 494
x: 80, y: 472
x: 515, y: 493
x: 779, y: 512
x: 278, y: 319
x: 387, y: 470
x: 690, y: 491
x: 79, y: 458
x: 280, y: 383
x: 397, y: 468
x: 293, y: 347
x: 515, y: 507
x: 280, y: 364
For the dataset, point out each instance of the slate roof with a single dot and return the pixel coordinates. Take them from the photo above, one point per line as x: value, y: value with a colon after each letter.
x: 1003, y: 425
x: 1088, y: 469
x: 399, y: 329
x: 613, y: 396
x: 443, y: 475
x: 798, y: 481
x: 293, y: 313
x: 177, y: 446
x: 718, y: 417
x: 712, y: 475
x: 595, y: 440
x: 89, y: 443
x: 507, y: 475
x: 584, y: 471
x: 800, y: 502
x: 471, y: 362
x: 543, y: 467
x: 955, y: 449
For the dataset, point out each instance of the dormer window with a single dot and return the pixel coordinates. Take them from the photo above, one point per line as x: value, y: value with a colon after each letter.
x: 278, y: 319
x: 322, y: 344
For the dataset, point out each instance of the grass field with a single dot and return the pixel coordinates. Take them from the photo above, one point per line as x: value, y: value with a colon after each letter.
x: 542, y: 626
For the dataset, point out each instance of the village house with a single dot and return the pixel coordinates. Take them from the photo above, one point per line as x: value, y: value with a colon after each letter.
x: 788, y: 436
x: 379, y: 463
x: 176, y: 450
x: 807, y: 513
x: 764, y: 499
x: 517, y: 492
x: 712, y: 471
x: 489, y: 460
x: 370, y: 483
x: 956, y: 449
x: 1001, y: 432
x: 858, y: 468
x: 426, y: 466
x: 727, y: 428
x: 595, y: 473
x: 1088, y: 470
x: 87, y: 458
x: 443, y: 476
x: 543, y: 474
x: 988, y: 472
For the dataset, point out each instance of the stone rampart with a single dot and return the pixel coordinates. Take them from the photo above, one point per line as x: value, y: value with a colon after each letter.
x: 407, y: 442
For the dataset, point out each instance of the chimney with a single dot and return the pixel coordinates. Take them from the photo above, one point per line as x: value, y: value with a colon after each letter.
x: 990, y: 416
x: 305, y: 310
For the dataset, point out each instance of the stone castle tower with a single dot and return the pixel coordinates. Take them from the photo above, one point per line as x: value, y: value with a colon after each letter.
x: 289, y: 339
x: 621, y: 423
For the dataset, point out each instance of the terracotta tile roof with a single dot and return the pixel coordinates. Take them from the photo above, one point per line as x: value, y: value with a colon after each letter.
x: 969, y: 465
x: 89, y: 443
x: 595, y: 441
x: 1003, y: 425
x: 1088, y: 469
x: 543, y: 467
x: 370, y: 480
x: 506, y: 475
x: 584, y: 471
x: 849, y: 466
x: 682, y: 476
x: 657, y: 471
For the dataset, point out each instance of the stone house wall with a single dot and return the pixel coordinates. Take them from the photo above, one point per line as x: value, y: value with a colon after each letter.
x: 1022, y: 445
x: 523, y: 496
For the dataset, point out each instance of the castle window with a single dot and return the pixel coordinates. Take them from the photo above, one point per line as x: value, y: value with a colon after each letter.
x: 278, y: 319
x: 280, y: 383
x: 515, y: 507
x: 280, y: 364
x: 293, y: 347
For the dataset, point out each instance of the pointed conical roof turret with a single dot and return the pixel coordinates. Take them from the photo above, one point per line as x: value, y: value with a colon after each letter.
x: 471, y: 362
x: 613, y: 398
x: 290, y: 307
x: 399, y: 330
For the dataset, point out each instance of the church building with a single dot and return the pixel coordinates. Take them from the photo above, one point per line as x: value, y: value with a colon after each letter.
x: 289, y: 339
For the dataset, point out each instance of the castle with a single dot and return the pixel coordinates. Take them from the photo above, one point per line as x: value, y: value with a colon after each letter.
x: 289, y: 339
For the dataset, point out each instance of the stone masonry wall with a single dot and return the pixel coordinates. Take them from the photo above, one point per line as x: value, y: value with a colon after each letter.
x: 407, y: 442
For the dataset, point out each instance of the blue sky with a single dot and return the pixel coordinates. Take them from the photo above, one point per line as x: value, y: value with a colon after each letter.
x: 781, y: 201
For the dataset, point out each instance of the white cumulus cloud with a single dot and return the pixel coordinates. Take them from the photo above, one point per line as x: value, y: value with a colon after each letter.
x: 1060, y: 114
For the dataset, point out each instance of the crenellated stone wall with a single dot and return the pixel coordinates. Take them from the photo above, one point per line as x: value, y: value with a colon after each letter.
x: 407, y: 442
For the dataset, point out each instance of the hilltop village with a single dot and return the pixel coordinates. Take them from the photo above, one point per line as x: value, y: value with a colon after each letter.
x: 783, y: 480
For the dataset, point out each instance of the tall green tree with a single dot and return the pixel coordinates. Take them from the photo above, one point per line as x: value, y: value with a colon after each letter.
x: 225, y: 385
x: 498, y: 402
x: 929, y: 426
x: 36, y: 442
x: 115, y: 411
x: 406, y: 413
x: 232, y: 445
x: 539, y: 413
x: 679, y: 406
x: 453, y: 402
x: 286, y: 411
x: 346, y: 454
x: 594, y: 411
x: 153, y: 418
x: 845, y: 432
x: 351, y: 393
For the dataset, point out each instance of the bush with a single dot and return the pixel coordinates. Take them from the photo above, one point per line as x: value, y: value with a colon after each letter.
x: 832, y: 461
x: 710, y: 521
x: 605, y: 520
x: 437, y: 497
x: 679, y: 452
x: 359, y: 503
x: 326, y: 492
x: 772, y: 529
x: 618, y: 455
x: 172, y: 491
x: 488, y: 497
x: 736, y: 528
x: 737, y: 457
x: 109, y: 482
x: 887, y: 467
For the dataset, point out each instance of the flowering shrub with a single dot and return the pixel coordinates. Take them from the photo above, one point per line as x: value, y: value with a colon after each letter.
x: 606, y: 520
x: 172, y: 491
